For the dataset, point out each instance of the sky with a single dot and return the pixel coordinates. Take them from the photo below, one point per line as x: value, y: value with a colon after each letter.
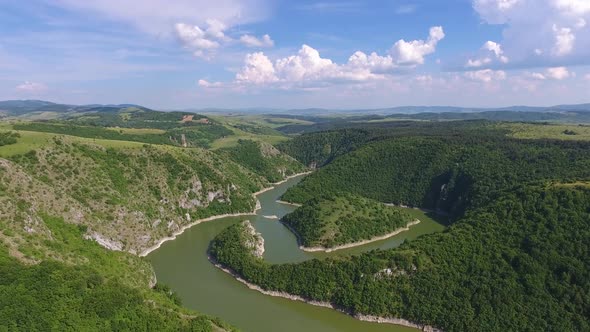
x: 173, y: 54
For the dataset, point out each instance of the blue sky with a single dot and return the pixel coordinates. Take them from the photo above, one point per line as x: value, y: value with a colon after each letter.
x: 296, y: 54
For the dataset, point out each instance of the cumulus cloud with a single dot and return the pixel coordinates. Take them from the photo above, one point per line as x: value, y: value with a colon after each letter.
x: 413, y: 52
x: 308, y: 68
x: 587, y: 77
x: 200, y: 41
x: 537, y: 32
x: 31, y: 87
x: 564, y: 41
x: 258, y: 69
x: 489, y: 49
x: 486, y: 75
x: 253, y: 41
x: 204, y: 41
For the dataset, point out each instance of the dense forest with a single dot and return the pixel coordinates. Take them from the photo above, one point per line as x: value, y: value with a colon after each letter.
x: 103, y: 291
x: 445, y: 173
x: 429, y: 118
x: 330, y: 221
x: 519, y: 264
x: 516, y: 257
x: 7, y: 138
x: 263, y: 159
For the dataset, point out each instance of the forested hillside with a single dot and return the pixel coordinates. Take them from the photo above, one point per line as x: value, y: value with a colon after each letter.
x: 445, y: 173
x: 330, y: 221
x: 93, y: 290
x: 263, y: 159
x: 78, y: 203
x: 519, y: 264
x: 148, y: 192
x: 514, y: 259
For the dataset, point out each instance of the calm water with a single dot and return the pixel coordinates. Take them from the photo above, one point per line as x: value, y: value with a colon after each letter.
x: 182, y: 264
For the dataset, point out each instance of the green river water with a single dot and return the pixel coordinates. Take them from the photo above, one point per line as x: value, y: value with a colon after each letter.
x: 182, y: 264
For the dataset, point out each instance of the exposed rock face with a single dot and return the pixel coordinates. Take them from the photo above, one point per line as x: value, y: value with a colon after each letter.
x: 254, y: 240
x: 267, y: 150
x: 105, y: 242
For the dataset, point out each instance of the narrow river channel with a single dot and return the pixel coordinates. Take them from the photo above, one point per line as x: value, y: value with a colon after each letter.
x: 182, y: 264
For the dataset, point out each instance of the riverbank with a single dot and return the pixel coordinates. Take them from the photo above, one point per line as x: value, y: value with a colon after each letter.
x: 354, y: 244
x: 159, y: 243
x: 288, y: 203
x: 366, y: 318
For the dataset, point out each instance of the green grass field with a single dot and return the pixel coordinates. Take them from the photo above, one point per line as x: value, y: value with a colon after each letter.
x: 232, y: 141
x: 553, y: 131
x: 31, y: 140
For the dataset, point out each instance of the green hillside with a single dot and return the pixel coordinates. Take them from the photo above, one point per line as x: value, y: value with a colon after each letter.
x: 330, y: 221
x: 515, y: 257
x: 94, y: 290
x: 69, y: 193
x: 263, y: 159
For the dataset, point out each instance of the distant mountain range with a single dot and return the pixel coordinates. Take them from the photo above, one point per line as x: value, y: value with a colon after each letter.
x: 394, y: 110
x: 39, y: 109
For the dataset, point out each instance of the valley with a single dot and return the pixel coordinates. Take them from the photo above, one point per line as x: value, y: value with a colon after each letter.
x: 133, y: 201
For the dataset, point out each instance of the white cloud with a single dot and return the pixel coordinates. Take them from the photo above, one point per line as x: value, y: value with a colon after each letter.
x: 201, y: 42
x: 253, y: 41
x: 496, y: 49
x: 478, y: 62
x: 573, y: 7
x: 488, y: 49
x: 308, y: 68
x: 306, y: 65
x: 558, y: 73
x: 554, y: 73
x: 204, y: 41
x: 207, y: 84
x: 413, y: 52
x: 564, y: 41
x: 486, y: 75
x: 536, y: 76
x: 587, y: 77
x: 31, y: 87
x: 373, y: 62
x: 546, y: 32
x: 258, y: 69
x: 495, y: 11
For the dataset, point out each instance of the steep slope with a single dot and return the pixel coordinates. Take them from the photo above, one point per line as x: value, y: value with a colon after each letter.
x: 445, y: 173
x: 128, y: 197
x: 263, y: 159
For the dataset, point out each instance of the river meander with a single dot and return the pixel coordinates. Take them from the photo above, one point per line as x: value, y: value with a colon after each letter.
x: 182, y: 264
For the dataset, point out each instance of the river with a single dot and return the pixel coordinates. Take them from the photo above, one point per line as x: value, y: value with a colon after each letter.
x: 182, y: 264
